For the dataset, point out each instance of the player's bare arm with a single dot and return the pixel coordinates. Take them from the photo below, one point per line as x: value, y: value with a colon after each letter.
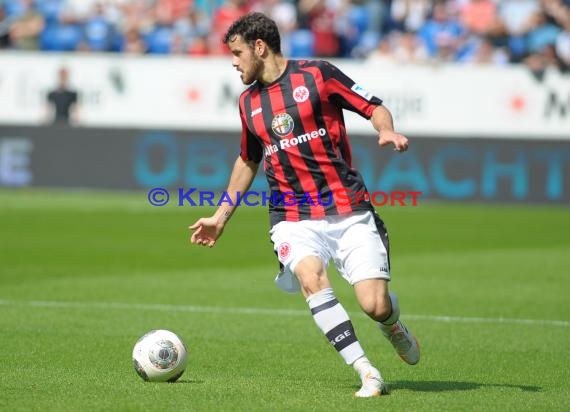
x: 207, y: 230
x: 382, y: 121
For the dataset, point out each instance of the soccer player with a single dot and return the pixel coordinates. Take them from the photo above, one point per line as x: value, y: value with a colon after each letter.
x: 292, y: 120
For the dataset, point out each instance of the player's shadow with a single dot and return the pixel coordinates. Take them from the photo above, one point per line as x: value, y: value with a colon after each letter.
x: 450, y: 386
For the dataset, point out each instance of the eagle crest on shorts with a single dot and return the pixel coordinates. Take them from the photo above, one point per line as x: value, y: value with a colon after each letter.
x: 284, y: 250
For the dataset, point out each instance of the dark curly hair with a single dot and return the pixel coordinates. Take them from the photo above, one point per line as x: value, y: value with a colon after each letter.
x: 255, y: 26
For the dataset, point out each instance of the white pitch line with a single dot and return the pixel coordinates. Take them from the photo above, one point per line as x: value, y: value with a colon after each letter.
x: 467, y: 319
x: 153, y: 306
x: 261, y: 311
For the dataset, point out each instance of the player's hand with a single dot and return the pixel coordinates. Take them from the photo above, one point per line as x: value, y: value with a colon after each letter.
x: 206, y: 231
x: 399, y: 141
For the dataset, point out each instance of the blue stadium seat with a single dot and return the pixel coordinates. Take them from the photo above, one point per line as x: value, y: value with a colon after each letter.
x: 518, y: 46
x: 159, y: 40
x: 117, y: 42
x: 359, y: 18
x: 57, y: 37
x: 302, y: 43
x: 369, y: 41
x: 51, y: 9
x: 98, y: 34
x: 13, y: 7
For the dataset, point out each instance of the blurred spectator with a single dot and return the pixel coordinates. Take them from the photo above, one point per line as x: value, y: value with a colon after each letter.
x: 539, y: 63
x: 481, y: 50
x: 285, y: 15
x: 517, y: 17
x: 378, y: 14
x: 223, y: 17
x: 175, y: 9
x: 4, y: 28
x: 133, y: 43
x: 207, y: 6
x: 466, y: 31
x: 558, y: 11
x: 62, y: 101
x: 352, y: 22
x: 77, y: 11
x: 480, y: 16
x: 52, y: 10
x: 191, y: 33
x: 551, y: 58
x: 562, y: 48
x: 98, y: 32
x: 136, y: 14
x: 383, y: 54
x: 199, y: 47
x: 161, y: 37
x: 26, y: 27
x: 409, y: 48
x: 319, y: 17
x: 410, y: 15
x: 543, y: 33
x: 442, y: 33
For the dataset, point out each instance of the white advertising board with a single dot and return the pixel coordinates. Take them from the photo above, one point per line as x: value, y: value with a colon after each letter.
x: 201, y: 94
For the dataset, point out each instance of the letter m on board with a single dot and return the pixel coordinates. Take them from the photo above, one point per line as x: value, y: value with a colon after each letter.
x: 555, y: 105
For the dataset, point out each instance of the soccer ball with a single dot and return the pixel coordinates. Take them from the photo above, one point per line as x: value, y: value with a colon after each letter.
x: 160, y: 356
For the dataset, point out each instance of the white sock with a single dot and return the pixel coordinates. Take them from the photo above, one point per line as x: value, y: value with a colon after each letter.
x: 333, y: 321
x: 362, y: 365
x: 394, y: 315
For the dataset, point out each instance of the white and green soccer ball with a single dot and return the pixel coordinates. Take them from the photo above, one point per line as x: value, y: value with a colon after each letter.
x: 160, y: 356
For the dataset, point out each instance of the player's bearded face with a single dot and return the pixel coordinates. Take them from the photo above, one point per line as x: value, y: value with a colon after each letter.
x: 252, y: 69
x: 249, y: 64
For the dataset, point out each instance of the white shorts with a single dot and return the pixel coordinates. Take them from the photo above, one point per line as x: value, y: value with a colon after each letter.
x: 357, y: 243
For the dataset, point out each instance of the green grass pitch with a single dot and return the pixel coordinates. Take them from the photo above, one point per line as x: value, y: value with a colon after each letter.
x: 84, y: 274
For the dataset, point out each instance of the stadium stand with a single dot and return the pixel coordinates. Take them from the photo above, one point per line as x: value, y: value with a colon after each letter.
x: 535, y: 32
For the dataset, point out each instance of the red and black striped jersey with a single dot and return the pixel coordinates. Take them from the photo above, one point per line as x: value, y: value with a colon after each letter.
x: 296, y: 126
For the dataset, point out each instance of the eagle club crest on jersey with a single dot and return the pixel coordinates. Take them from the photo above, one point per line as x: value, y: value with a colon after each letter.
x: 284, y: 250
x: 282, y: 124
x: 300, y: 94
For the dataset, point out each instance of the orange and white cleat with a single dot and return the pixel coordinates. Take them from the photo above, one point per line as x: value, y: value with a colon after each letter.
x: 372, y: 385
x: 403, y: 341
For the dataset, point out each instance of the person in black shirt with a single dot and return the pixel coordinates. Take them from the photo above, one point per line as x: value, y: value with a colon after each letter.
x: 63, y: 101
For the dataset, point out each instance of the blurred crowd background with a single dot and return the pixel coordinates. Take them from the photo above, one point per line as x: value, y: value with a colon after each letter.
x: 533, y: 32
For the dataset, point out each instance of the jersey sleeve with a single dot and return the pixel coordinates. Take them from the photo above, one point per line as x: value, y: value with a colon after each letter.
x: 344, y: 92
x: 251, y: 149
